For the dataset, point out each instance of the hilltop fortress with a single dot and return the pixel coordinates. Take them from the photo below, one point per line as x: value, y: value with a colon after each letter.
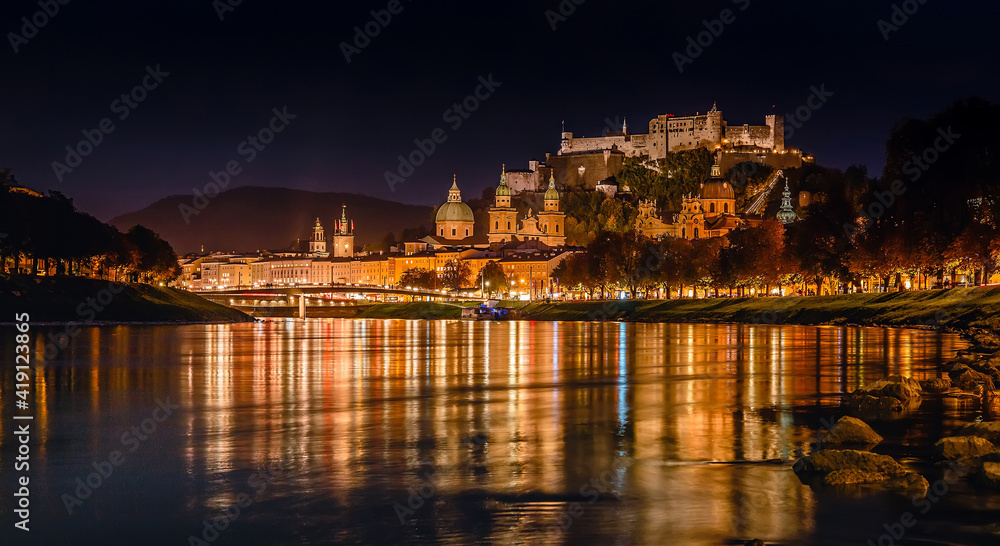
x: 586, y: 163
x: 673, y: 134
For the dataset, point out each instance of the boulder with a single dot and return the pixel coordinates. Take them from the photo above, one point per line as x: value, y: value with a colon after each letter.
x: 830, y: 460
x: 989, y: 430
x: 960, y: 447
x: 754, y: 542
x: 885, y: 398
x: 907, y: 482
x: 939, y: 384
x: 895, y: 386
x: 851, y: 431
x: 986, y: 340
x: 990, y: 475
x: 970, y: 380
x: 832, y: 467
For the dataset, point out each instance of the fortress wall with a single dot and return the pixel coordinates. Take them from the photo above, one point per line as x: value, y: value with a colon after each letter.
x: 773, y: 160
x: 595, y: 168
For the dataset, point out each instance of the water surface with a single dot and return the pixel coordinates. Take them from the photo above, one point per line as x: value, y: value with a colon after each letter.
x: 392, y: 431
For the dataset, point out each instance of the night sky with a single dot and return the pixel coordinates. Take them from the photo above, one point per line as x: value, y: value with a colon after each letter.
x: 605, y: 60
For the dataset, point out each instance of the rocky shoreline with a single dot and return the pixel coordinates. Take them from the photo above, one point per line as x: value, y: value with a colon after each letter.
x: 842, y: 457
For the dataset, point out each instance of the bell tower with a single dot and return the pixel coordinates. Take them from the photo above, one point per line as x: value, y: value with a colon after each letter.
x: 503, y: 217
x: 551, y: 221
x: 317, y: 244
x: 343, y: 237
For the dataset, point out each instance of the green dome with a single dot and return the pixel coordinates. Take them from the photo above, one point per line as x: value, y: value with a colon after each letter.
x: 551, y: 194
x: 503, y: 190
x: 454, y: 212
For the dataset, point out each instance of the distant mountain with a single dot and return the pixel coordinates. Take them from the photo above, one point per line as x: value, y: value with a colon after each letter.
x: 254, y: 218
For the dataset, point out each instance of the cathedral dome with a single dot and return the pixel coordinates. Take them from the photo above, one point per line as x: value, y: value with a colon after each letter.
x: 454, y: 212
x: 717, y: 189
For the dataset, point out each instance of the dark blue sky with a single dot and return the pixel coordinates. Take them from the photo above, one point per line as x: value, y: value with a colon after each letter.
x: 353, y: 119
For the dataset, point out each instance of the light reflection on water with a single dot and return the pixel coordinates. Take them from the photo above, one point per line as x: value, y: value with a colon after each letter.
x: 533, y: 431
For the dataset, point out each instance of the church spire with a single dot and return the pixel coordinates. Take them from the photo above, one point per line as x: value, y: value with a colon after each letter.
x: 786, y: 214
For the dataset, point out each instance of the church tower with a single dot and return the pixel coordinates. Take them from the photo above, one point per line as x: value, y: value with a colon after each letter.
x: 551, y: 221
x: 503, y: 217
x: 317, y: 245
x: 786, y: 215
x: 343, y: 237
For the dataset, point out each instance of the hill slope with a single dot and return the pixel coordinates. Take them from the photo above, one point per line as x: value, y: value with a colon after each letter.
x: 65, y: 299
x: 255, y: 218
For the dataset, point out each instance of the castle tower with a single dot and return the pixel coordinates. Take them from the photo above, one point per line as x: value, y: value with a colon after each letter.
x: 715, y: 126
x: 343, y: 237
x: 786, y: 214
x: 551, y: 221
x: 317, y: 245
x: 777, y: 125
x: 454, y: 219
x: 503, y: 217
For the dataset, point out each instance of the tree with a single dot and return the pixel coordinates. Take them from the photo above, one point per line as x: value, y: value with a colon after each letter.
x: 492, y: 277
x: 975, y: 249
x: 419, y: 277
x: 455, y: 274
x: 675, y: 257
x: 755, y: 256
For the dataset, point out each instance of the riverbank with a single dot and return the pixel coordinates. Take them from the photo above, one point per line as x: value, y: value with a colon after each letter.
x: 91, y: 301
x: 954, y: 308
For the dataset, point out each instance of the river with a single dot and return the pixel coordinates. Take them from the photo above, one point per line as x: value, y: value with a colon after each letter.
x: 339, y: 431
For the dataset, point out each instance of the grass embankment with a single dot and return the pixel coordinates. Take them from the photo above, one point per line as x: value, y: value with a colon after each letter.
x: 957, y: 307
x: 66, y: 299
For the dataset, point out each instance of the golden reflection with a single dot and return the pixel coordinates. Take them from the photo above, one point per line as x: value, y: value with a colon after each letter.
x: 511, y: 408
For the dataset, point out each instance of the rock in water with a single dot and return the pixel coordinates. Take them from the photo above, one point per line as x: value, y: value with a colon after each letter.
x: 989, y: 430
x: 990, y: 475
x: 830, y: 460
x: 894, y: 386
x: 939, y: 384
x: 832, y: 467
x: 885, y: 397
x: 959, y: 447
x: 968, y: 380
x: 851, y: 431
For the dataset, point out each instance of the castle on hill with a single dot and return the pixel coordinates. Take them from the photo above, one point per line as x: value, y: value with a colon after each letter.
x: 673, y: 134
x: 588, y: 163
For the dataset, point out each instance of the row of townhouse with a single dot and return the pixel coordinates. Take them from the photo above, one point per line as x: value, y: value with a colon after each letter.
x: 529, y: 271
